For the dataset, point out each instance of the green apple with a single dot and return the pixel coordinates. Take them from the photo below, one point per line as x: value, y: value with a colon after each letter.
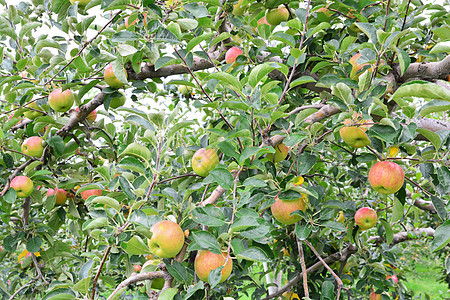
x: 167, y: 239
x: 33, y: 146
x: 281, y: 152
x: 277, y: 15
x: 206, y: 261
x: 118, y: 101
x: 23, y: 186
x: 386, y: 177
x: 354, y: 136
x: 60, y: 195
x: 366, y: 218
x: 204, y: 161
x: 282, y: 209
x: 61, y: 101
x: 111, y: 79
x: 32, y: 114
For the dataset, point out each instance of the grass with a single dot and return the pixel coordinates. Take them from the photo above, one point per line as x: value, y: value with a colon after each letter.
x: 424, y: 279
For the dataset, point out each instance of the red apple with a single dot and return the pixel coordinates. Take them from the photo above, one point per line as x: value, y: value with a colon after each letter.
x: 111, y: 79
x: 206, y: 261
x: 167, y: 239
x: 204, y: 161
x: 60, y: 195
x: 137, y: 268
x: 277, y: 15
x: 232, y: 54
x: 366, y: 218
x: 386, y: 177
x: 86, y: 194
x: 61, y: 101
x: 393, y: 277
x: 374, y: 296
x: 32, y: 146
x: 282, y: 209
x: 92, y: 115
x: 23, y: 186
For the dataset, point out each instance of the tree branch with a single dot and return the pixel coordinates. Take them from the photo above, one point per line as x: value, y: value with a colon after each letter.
x: 404, y: 236
x: 136, y: 278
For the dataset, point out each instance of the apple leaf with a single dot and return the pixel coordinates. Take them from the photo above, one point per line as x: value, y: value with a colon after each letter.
x: 192, y: 289
x: 223, y: 177
x: 135, y: 246
x: 441, y: 236
x: 206, y: 241
x: 209, y: 215
x: 342, y: 91
x: 95, y: 223
x: 243, y: 223
x: 334, y: 226
x: 302, y: 231
x: 305, y: 162
x: 168, y: 294
x: 422, y: 89
x: 434, y: 106
x: 228, y: 80
x: 433, y: 137
x: 176, y: 269
x: 135, y: 149
x: 85, y: 270
x: 214, y: 276
x: 439, y: 205
x: 248, y: 152
x: 388, y: 231
x: 106, y: 201
x: 403, y: 59
x: 82, y: 286
x: 34, y: 244
x: 10, y: 196
x: 258, y: 73
x: 397, y: 210
x: 254, y: 254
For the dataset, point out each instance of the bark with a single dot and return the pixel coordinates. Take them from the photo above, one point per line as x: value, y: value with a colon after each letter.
x: 404, y: 236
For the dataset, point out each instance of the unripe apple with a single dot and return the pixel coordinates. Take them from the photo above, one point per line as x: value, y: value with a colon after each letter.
x: 60, y: 195
x: 32, y: 146
x: 32, y: 114
x: 281, y: 152
x: 354, y: 136
x: 206, y: 261
x: 239, y: 9
x: 386, y: 177
x: 232, y: 54
x: 80, y: 2
x: 366, y: 218
x: 374, y: 296
x: 277, y: 15
x: 61, y: 101
x: 118, y: 101
x: 86, y: 194
x: 282, y: 209
x: 111, y: 79
x: 23, y: 186
x: 204, y: 161
x: 92, y: 115
x: 167, y: 239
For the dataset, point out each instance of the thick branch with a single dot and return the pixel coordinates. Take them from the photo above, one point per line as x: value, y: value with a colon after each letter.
x: 427, y: 70
x: 136, y: 278
x: 404, y: 236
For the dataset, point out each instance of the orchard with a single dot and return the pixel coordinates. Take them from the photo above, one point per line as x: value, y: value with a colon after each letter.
x: 222, y: 149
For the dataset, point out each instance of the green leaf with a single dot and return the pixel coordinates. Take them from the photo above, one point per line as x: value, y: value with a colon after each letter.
x: 124, y: 36
x: 209, y: 215
x: 57, y: 143
x: 135, y: 149
x: 82, y: 286
x: 253, y: 254
x: 248, y: 152
x: 135, y: 246
x: 383, y: 132
x: 305, y: 163
x: 302, y: 231
x: 422, y: 89
x: 301, y: 80
x: 342, y: 91
x: 441, y: 47
x: 220, y: 37
x: 441, y: 236
x: 433, y: 107
x: 11, y: 196
x: 177, y: 270
x: 95, y: 223
x: 369, y: 30
x: 433, y: 137
x: 228, y: 81
x: 197, y: 40
x: 439, y: 205
x: 206, y: 241
x: 227, y: 148
x: 403, y: 59
x: 397, y: 210
x: 388, y: 231
x: 243, y: 223
x: 258, y: 73
x: 334, y: 226
x: 34, y: 244
x: 168, y: 294
x: 105, y: 201
x: 215, y: 276
x: 178, y: 126
x: 223, y: 177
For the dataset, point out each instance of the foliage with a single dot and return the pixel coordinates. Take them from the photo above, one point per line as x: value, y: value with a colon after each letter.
x: 291, y: 85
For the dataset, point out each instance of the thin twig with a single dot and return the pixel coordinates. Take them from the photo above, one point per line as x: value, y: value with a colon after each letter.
x: 303, y: 265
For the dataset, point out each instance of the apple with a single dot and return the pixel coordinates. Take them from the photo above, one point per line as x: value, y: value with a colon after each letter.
x: 167, y: 239
x: 118, y: 101
x: 92, y: 115
x: 137, y: 268
x: 158, y: 283
x: 354, y: 136
x: 281, y: 152
x: 61, y: 101
x: 60, y: 195
x: 32, y: 114
x: 386, y: 177
x: 206, y: 261
x: 366, y: 218
x: 204, y: 160
x: 282, y: 209
x: 239, y: 9
x: 277, y: 15
x: 393, y: 277
x: 86, y: 194
x: 232, y: 54
x: 111, y: 79
x: 32, y: 146
x: 23, y: 186
x: 374, y: 296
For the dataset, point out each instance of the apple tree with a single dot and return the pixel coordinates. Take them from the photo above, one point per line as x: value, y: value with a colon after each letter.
x: 221, y: 149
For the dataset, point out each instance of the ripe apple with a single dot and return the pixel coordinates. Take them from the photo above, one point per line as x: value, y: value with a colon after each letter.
x: 206, y: 261
x: 232, y: 54
x: 118, y: 101
x: 386, y: 177
x: 281, y: 152
x: 32, y: 146
x: 92, y: 115
x: 32, y: 114
x: 282, y: 209
x: 61, y: 101
x: 80, y: 2
x: 239, y: 9
x: 167, y: 239
x: 204, y: 160
x: 23, y: 186
x: 111, y: 79
x: 374, y: 296
x: 60, y: 195
x: 366, y: 218
x: 86, y: 194
x: 137, y: 268
x: 393, y: 277
x: 354, y: 136
x: 277, y: 15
